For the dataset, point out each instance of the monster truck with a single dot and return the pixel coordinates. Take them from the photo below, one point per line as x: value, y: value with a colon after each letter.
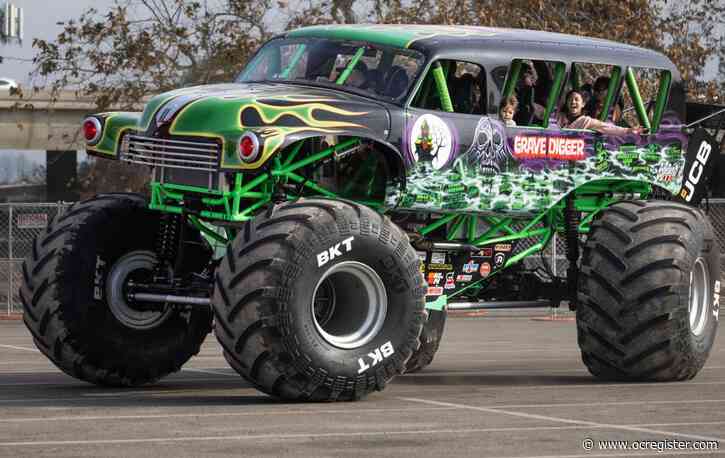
x: 325, y: 210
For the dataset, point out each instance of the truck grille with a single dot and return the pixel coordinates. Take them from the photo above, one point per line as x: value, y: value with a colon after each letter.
x: 188, y: 162
x: 200, y: 155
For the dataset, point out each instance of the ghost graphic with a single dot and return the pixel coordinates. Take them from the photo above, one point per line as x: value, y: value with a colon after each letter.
x: 488, y: 151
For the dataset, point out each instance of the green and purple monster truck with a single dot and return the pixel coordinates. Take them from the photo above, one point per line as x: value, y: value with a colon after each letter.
x: 325, y: 210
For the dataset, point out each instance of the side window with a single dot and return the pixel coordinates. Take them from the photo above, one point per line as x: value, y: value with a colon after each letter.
x: 535, y: 86
x: 644, y: 97
x: 599, y: 85
x: 453, y: 86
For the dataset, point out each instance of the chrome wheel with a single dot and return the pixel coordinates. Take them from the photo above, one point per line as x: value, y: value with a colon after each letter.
x: 135, y: 266
x: 349, y: 305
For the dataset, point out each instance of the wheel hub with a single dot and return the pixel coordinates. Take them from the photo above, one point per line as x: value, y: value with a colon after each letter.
x: 134, y: 266
x: 349, y: 305
x: 699, y: 297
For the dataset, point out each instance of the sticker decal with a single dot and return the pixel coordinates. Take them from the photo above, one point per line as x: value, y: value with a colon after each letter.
x: 464, y: 278
x: 438, y: 257
x: 502, y: 247
x: 450, y: 281
x: 470, y: 267
x: 434, y: 291
x: 434, y: 278
x: 431, y: 141
x: 376, y: 357
x: 334, y: 251
x: 485, y: 270
x: 499, y: 259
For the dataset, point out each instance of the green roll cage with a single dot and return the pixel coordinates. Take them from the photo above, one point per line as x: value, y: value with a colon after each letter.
x: 249, y: 194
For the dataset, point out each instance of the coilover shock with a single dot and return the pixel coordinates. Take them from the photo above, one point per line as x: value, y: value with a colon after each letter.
x: 571, y: 217
x: 168, y: 242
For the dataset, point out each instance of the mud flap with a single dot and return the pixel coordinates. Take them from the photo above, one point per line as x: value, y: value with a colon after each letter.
x: 702, y: 154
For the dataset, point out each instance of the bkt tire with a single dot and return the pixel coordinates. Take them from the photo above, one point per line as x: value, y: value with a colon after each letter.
x: 67, y: 286
x: 319, y: 300
x: 429, y: 341
x: 649, y: 292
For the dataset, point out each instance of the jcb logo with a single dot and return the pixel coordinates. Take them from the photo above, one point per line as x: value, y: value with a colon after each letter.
x: 703, y: 154
x: 334, y: 251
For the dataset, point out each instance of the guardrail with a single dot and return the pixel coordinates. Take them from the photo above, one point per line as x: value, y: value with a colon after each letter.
x: 21, y: 223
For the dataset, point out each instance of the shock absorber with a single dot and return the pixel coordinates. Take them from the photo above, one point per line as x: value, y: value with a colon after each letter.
x: 167, y: 242
x: 571, y: 217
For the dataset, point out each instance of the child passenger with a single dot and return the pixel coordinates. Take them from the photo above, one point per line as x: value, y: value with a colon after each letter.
x: 507, y: 111
x: 572, y: 117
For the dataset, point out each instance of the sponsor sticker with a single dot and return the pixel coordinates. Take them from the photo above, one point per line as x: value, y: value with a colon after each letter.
x: 470, y: 267
x: 434, y: 291
x: 438, y: 257
x: 440, y: 267
x: 502, y: 247
x: 464, y: 278
x: 450, y: 281
x: 434, y: 278
x: 485, y: 269
x: 499, y: 259
x: 484, y: 253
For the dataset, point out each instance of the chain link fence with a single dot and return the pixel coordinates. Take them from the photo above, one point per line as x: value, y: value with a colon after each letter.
x: 21, y: 223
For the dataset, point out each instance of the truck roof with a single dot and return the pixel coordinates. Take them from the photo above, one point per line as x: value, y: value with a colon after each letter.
x: 534, y: 44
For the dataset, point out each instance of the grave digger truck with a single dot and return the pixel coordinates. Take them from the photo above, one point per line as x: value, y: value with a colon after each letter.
x: 325, y: 210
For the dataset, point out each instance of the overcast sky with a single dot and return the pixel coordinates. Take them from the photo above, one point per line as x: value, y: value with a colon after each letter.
x: 40, y: 21
x: 40, y: 18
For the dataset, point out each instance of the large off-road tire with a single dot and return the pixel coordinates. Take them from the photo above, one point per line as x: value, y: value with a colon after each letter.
x: 429, y: 341
x: 649, y: 291
x: 319, y: 300
x: 64, y: 295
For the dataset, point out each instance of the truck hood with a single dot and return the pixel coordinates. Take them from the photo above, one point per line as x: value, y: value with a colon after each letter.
x: 279, y: 114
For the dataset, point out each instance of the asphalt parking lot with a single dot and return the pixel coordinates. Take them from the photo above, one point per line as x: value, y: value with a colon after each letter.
x: 500, y: 386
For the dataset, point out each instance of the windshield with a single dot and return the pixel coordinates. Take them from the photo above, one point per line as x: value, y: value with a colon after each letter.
x: 386, y: 73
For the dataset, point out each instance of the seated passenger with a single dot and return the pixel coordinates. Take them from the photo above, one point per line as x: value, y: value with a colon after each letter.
x: 601, y: 87
x: 529, y: 112
x: 572, y: 117
x: 397, y: 82
x: 358, y: 76
x: 463, y: 96
x: 507, y: 111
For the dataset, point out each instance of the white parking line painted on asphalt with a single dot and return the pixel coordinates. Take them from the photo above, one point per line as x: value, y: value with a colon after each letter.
x: 570, y: 421
x: 220, y: 414
x: 281, y: 437
x: 211, y: 371
x: 653, y: 453
x: 13, y: 347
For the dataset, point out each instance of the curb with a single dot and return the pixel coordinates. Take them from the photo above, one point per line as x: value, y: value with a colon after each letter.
x: 11, y: 317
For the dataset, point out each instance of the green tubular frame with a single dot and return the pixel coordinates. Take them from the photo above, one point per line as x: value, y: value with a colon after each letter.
x: 637, y: 98
x: 440, y: 79
x: 350, y: 66
x: 589, y: 200
x: 249, y: 192
x: 614, y: 82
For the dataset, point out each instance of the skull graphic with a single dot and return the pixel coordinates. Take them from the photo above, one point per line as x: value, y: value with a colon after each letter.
x: 488, y: 149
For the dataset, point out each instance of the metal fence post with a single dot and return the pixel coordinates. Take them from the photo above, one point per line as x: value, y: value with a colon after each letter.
x: 11, y: 268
